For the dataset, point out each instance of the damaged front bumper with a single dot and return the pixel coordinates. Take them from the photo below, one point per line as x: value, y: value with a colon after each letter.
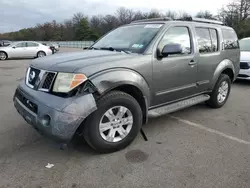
x: 53, y: 116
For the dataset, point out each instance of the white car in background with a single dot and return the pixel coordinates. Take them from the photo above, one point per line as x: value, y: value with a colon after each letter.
x: 56, y: 46
x: 24, y: 49
x: 244, y: 59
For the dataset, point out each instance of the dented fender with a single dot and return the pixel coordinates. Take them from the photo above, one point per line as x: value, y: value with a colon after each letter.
x: 109, y: 79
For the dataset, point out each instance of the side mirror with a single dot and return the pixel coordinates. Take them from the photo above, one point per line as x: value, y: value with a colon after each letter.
x: 171, y: 49
x: 13, y: 47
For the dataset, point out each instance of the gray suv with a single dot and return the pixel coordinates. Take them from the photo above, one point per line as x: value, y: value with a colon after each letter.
x: 107, y: 92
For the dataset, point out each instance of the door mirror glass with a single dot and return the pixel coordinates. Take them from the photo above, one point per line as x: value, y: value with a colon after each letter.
x: 171, y: 49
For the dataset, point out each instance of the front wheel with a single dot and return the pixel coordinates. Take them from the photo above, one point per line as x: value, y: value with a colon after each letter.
x: 3, y: 56
x: 115, y: 124
x: 220, y: 92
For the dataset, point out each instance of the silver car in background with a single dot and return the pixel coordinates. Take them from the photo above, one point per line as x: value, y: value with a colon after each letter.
x: 244, y: 59
x: 24, y: 49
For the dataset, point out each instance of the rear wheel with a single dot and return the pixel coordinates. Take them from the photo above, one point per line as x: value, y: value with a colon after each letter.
x: 41, y: 54
x: 115, y: 124
x: 3, y: 56
x: 220, y: 92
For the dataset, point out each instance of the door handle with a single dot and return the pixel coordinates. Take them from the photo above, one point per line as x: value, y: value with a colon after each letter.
x: 192, y: 62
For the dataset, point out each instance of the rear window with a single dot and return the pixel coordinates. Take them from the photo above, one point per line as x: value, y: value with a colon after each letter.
x: 230, y: 39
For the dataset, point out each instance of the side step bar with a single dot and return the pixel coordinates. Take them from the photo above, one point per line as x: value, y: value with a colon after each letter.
x: 177, y: 106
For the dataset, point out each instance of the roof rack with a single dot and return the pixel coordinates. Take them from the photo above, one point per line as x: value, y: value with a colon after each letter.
x: 201, y: 20
x: 153, y: 19
x: 188, y: 18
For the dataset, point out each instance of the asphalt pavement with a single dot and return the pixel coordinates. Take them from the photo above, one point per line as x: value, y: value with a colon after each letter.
x: 198, y: 147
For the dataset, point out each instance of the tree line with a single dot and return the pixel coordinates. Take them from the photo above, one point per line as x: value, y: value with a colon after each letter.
x: 81, y: 27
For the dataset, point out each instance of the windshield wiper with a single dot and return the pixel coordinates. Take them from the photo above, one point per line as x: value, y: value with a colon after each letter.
x: 90, y: 48
x: 113, y: 49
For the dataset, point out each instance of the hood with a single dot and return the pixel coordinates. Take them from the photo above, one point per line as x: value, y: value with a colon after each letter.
x: 245, y: 56
x: 73, y: 61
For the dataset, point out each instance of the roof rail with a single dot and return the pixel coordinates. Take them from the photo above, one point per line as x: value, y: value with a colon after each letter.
x: 153, y: 19
x: 201, y: 20
x: 187, y: 18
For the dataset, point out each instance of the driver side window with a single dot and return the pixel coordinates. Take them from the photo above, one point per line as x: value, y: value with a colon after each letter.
x: 21, y: 45
x: 177, y: 35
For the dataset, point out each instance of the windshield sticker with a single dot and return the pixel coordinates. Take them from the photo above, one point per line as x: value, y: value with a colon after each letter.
x: 153, y: 26
x: 137, y: 46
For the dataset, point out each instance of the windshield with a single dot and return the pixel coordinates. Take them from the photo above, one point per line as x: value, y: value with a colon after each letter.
x: 245, y: 45
x: 133, y: 38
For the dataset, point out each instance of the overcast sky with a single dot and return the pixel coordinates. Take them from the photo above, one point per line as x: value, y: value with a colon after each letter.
x: 18, y: 14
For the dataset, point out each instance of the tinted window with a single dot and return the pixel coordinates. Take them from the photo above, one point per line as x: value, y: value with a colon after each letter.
x: 177, y: 35
x: 207, y: 40
x: 214, y: 38
x: 230, y: 39
x: 20, y: 45
x: 204, y: 40
x: 32, y: 44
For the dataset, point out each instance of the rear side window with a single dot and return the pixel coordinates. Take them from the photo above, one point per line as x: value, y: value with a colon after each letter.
x: 31, y: 44
x: 230, y: 39
x: 214, y: 38
x: 207, y: 40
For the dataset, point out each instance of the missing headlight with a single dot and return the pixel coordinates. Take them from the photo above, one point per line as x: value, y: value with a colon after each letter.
x: 88, y: 87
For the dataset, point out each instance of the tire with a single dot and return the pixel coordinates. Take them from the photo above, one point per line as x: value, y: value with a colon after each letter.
x: 214, y: 101
x: 100, y: 140
x: 41, y: 54
x: 3, y: 56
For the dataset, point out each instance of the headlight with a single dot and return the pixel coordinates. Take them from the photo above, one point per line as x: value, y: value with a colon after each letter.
x: 65, y: 82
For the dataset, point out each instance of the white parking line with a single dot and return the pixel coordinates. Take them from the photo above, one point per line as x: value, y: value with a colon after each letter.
x: 211, y: 130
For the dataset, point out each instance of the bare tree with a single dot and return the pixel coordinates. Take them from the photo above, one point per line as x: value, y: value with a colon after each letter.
x: 78, y: 17
x: 154, y: 14
x: 96, y: 24
x: 124, y: 15
x: 205, y: 14
x: 171, y: 14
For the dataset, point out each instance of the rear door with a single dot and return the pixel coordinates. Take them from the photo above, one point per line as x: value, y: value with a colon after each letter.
x: 209, y: 49
x: 32, y: 49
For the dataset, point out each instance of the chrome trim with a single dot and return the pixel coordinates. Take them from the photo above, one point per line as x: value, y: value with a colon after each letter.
x: 27, y: 78
x: 203, y: 82
x: 175, y: 89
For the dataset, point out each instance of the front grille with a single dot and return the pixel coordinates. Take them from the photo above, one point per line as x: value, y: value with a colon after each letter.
x: 48, y: 81
x: 40, y: 79
x: 30, y: 105
x: 244, y: 65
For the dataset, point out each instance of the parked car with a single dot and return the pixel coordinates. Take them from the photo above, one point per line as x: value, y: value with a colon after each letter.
x: 51, y: 47
x: 4, y: 43
x: 244, y: 59
x: 152, y: 67
x: 24, y: 49
x: 55, y: 45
